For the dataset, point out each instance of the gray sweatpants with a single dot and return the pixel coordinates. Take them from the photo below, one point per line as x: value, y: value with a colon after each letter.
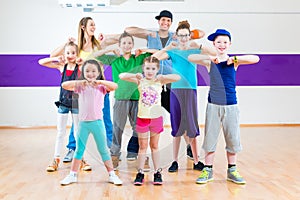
x: 121, y: 110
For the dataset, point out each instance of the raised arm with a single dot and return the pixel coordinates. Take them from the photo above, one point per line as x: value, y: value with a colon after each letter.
x: 130, y: 77
x: 70, y: 85
x: 111, y: 86
x: 109, y: 39
x: 53, y: 62
x: 138, y: 32
x: 197, y: 34
x: 201, y: 59
x: 60, y: 50
x: 169, y: 78
x: 211, y: 51
x: 243, y: 60
x: 106, y: 50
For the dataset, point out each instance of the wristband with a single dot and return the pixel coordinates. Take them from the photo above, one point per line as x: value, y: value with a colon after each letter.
x: 195, y: 34
x: 235, y: 60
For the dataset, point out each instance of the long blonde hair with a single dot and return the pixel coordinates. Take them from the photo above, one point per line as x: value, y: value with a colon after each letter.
x: 81, y: 40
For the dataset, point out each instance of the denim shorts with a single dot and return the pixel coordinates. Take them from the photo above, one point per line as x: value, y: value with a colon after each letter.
x: 65, y: 110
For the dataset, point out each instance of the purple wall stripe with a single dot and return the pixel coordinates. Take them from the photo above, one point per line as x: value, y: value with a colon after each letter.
x: 272, y: 70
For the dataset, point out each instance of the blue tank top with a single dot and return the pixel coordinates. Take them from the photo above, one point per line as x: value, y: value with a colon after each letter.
x: 68, y: 98
x: 155, y: 43
x: 222, y: 84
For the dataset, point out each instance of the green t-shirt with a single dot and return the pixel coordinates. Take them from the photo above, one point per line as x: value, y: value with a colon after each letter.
x: 126, y: 90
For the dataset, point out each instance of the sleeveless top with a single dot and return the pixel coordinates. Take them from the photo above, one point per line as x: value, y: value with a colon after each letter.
x: 222, y: 84
x: 155, y: 43
x: 68, y: 98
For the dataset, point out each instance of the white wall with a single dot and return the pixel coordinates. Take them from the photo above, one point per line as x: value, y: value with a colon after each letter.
x: 259, y: 26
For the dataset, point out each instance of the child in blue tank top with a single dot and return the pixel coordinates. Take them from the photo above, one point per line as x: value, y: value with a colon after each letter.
x: 222, y: 110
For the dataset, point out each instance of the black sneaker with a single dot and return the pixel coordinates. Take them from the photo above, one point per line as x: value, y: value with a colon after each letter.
x: 199, y: 166
x: 174, y: 167
x: 189, y: 152
x: 139, y: 180
x: 157, y: 178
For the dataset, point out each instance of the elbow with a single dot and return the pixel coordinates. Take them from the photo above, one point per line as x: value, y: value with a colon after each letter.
x: 63, y: 85
x: 114, y: 87
x: 257, y: 59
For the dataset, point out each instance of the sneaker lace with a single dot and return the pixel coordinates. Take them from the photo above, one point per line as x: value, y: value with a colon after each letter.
x: 204, y: 174
x: 236, y: 174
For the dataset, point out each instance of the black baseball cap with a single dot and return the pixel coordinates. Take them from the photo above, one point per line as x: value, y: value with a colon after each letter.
x: 164, y: 13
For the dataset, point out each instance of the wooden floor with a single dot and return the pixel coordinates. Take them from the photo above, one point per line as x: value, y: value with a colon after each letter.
x: 270, y: 163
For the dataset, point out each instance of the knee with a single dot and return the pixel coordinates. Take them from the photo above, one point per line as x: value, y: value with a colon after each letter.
x: 154, y: 147
x: 143, y: 146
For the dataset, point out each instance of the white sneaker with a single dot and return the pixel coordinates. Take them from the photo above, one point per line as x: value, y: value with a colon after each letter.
x: 115, y: 180
x: 68, y: 180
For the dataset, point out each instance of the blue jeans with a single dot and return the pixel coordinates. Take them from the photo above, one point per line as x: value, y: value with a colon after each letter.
x: 66, y: 110
x: 107, y: 123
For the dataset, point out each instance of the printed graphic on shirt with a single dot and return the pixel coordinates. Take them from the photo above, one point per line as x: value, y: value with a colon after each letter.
x: 149, y: 96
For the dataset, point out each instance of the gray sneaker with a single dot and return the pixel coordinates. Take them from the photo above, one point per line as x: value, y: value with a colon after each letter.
x: 234, y: 176
x: 131, y: 156
x: 205, y: 176
x: 69, y: 156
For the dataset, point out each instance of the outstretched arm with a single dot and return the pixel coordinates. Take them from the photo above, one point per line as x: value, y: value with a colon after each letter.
x: 243, y: 60
x: 135, y: 78
x: 169, y: 78
x: 111, y: 86
x: 106, y: 50
x: 53, y: 62
x: 162, y: 54
x: 203, y: 60
x: 70, y: 85
x: 138, y: 32
x: 109, y: 39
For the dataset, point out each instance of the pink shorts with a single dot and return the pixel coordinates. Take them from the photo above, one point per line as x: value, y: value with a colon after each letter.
x: 144, y: 125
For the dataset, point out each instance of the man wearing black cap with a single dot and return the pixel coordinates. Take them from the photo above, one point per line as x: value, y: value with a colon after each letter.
x: 158, y: 40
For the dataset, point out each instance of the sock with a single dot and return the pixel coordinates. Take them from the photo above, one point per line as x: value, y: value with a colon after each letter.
x: 72, y: 173
x: 231, y: 165
x: 141, y: 171
x: 112, y: 173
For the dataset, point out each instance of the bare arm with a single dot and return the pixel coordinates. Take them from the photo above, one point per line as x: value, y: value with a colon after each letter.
x: 111, y: 86
x: 53, y: 62
x: 243, y: 60
x: 140, y: 51
x: 138, y: 32
x: 70, y: 85
x: 169, y: 78
x: 130, y: 77
x: 109, y: 39
x: 201, y: 59
x: 208, y: 50
x: 60, y: 50
x: 105, y: 51
x: 162, y: 54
